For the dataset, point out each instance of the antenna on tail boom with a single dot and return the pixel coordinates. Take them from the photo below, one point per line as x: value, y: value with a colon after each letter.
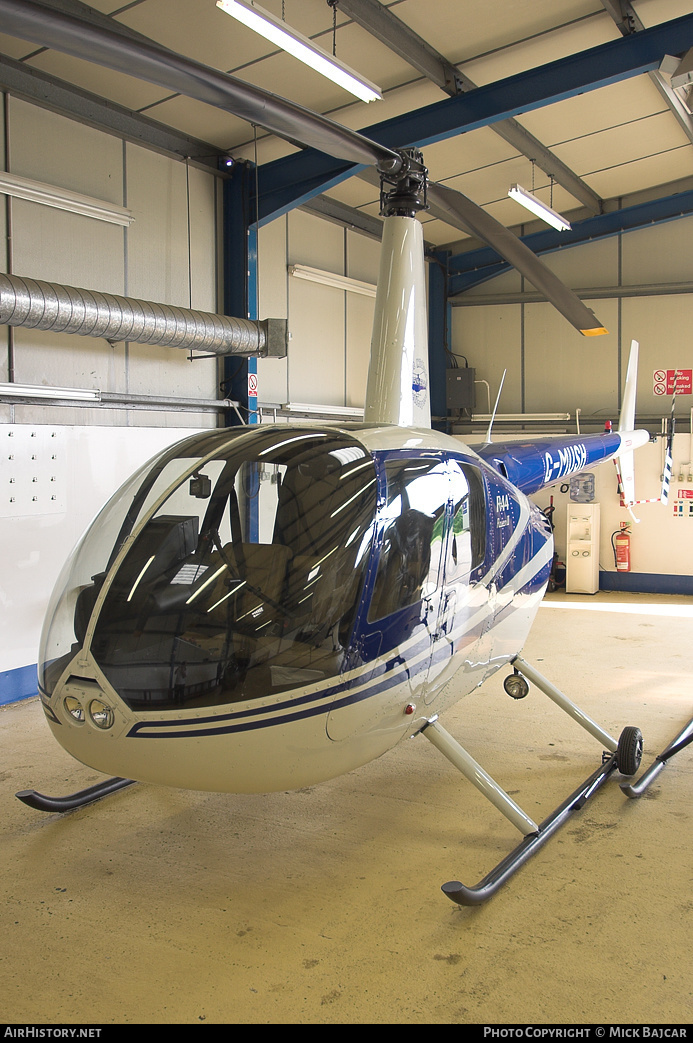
x: 495, y: 410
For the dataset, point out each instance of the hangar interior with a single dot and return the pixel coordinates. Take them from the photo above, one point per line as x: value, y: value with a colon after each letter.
x: 322, y: 905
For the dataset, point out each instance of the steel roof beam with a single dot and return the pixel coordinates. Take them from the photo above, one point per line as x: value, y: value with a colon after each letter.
x: 288, y: 182
x: 346, y: 216
x: 628, y: 23
x: 381, y: 23
x: 50, y: 92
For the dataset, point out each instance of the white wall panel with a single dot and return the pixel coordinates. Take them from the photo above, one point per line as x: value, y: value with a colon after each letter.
x: 48, y: 147
x: 509, y: 282
x: 203, y: 239
x: 593, y: 264
x: 662, y: 253
x: 359, y: 324
x: 565, y: 371
x: 490, y: 338
x: 663, y: 327
x: 66, y: 248
x: 363, y: 257
x: 316, y: 350
x: 363, y: 262
x: 317, y: 243
x: 316, y: 359
x: 62, y: 360
x: 157, y: 241
x: 274, y: 291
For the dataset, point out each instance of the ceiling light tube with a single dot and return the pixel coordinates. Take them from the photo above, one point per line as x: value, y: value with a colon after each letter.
x: 279, y: 33
x: 337, y: 412
x: 517, y: 417
x: 530, y: 202
x: 44, y: 391
x: 339, y: 282
x: 61, y: 199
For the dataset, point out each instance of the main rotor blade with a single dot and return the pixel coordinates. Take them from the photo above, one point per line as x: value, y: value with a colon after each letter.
x: 98, y: 39
x: 461, y: 212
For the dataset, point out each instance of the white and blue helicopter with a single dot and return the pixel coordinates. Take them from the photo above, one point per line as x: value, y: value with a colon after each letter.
x: 263, y: 608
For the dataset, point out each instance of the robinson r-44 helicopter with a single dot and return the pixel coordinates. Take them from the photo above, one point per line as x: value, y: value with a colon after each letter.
x: 263, y: 608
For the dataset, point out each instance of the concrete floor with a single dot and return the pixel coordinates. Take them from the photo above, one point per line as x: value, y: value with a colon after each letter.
x: 324, y: 906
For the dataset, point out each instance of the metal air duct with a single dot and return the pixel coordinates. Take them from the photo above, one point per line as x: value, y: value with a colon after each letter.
x: 88, y: 313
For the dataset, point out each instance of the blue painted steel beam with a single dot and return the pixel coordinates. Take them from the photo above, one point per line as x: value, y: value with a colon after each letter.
x: 239, y: 298
x: 288, y: 182
x: 240, y: 272
x: 478, y: 266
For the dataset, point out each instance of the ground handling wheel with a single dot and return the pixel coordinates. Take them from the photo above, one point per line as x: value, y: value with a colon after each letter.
x: 629, y: 752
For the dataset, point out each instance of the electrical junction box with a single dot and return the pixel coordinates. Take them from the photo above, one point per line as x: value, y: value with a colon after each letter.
x: 460, y: 388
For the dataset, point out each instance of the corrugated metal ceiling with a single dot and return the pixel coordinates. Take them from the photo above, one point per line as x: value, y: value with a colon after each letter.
x: 620, y: 140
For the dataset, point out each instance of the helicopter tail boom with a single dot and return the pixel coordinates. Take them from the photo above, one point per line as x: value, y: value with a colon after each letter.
x: 534, y: 465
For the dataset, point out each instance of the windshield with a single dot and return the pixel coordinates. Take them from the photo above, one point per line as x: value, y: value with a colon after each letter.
x: 82, y: 576
x: 245, y: 577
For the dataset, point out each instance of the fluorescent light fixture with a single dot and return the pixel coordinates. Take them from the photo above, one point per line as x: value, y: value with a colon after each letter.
x: 324, y: 412
x: 44, y: 391
x: 518, y: 417
x: 279, y: 33
x: 339, y: 282
x: 61, y: 199
x: 530, y: 202
x: 683, y: 74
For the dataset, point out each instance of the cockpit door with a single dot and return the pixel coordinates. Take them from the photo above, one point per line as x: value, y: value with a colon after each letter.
x: 461, y: 596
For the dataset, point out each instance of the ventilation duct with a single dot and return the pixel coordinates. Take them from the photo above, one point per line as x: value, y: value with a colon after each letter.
x: 87, y: 313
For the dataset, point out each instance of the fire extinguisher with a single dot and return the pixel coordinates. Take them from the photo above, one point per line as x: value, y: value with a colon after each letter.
x: 620, y: 541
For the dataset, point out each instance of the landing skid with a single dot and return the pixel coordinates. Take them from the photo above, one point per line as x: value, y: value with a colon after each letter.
x: 494, y: 880
x: 623, y: 755
x: 41, y: 802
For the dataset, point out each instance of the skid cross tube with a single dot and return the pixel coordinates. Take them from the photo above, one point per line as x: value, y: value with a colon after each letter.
x: 486, y: 888
x: 565, y: 704
x: 683, y: 739
x: 458, y: 756
x: 41, y: 802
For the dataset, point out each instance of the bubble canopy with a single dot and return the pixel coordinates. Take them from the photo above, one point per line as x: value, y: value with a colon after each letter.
x: 228, y: 568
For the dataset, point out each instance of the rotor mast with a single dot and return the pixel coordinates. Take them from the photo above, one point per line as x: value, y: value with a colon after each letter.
x: 398, y: 389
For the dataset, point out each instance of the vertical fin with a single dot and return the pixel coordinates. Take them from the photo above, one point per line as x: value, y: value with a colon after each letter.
x: 627, y: 418
x: 625, y: 466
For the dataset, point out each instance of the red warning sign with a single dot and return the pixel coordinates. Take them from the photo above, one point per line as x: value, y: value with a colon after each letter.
x: 666, y: 381
x: 252, y: 385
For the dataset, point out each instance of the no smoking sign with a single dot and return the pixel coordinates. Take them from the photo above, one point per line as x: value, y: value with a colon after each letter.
x: 668, y: 381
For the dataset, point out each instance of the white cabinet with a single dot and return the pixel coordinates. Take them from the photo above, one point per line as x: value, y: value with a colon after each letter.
x: 582, y: 549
